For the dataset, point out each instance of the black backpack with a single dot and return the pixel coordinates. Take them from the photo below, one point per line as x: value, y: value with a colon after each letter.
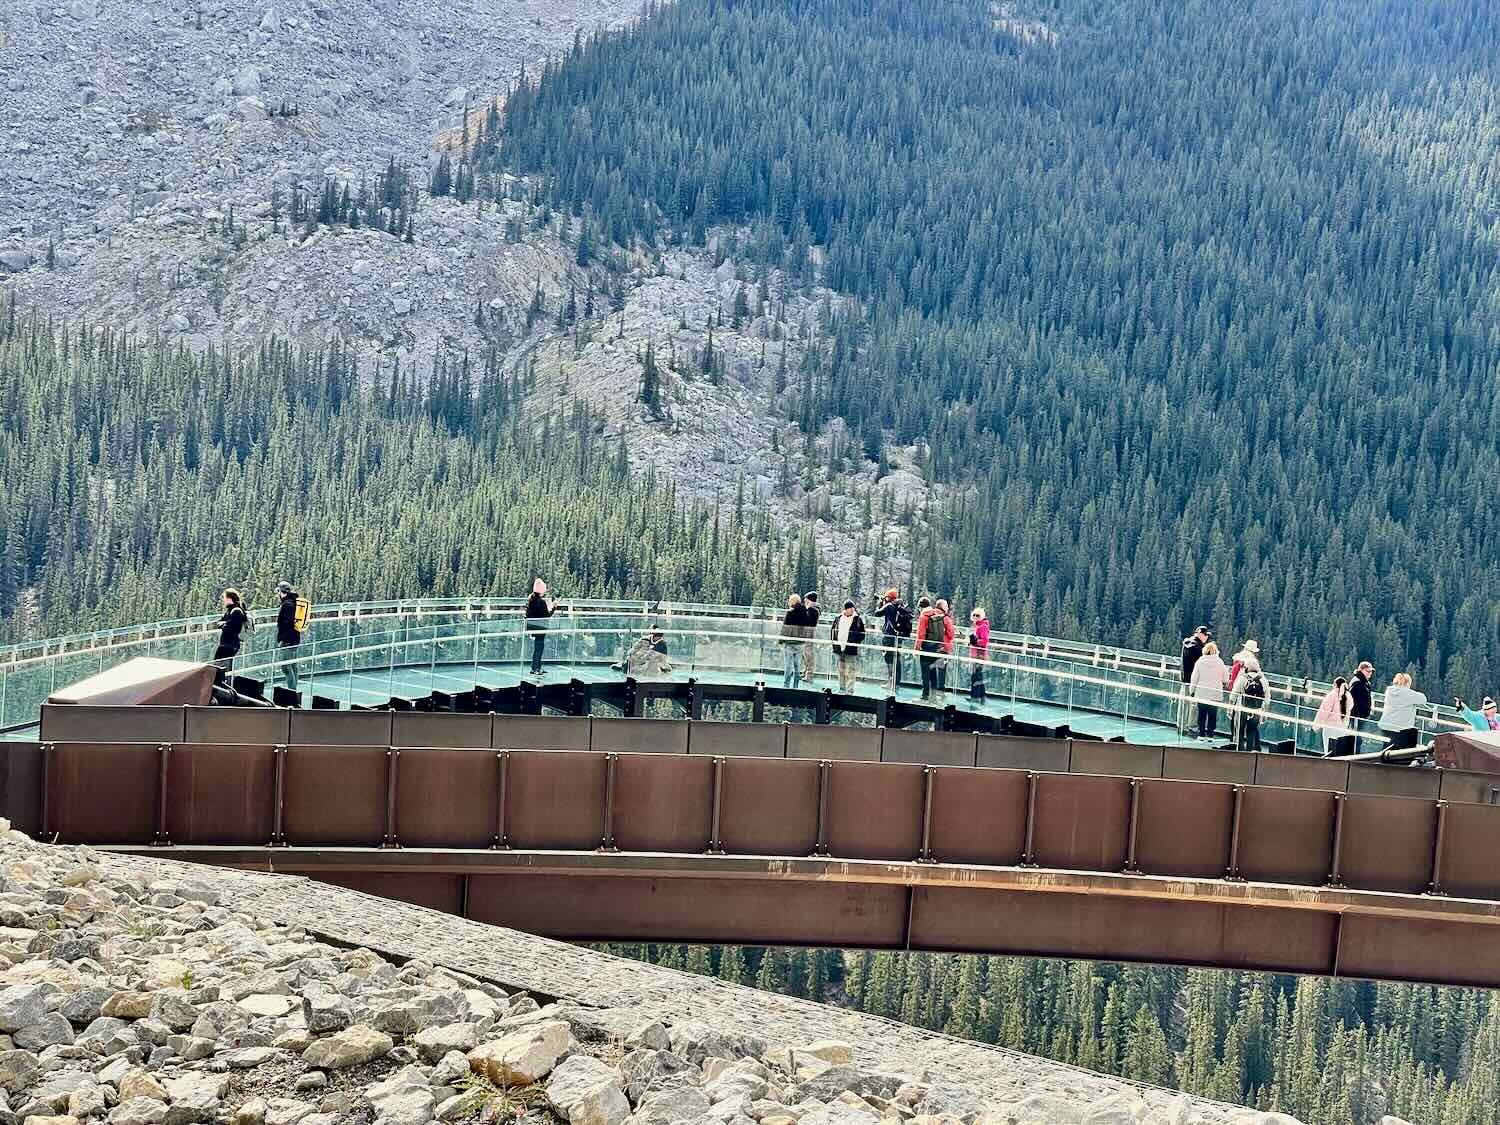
x: 1255, y: 688
x: 903, y: 620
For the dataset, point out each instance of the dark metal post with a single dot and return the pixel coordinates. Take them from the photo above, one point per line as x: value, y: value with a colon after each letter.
x: 392, y: 764
x: 716, y: 845
x: 278, y: 837
x: 502, y: 769
x: 1028, y: 856
x: 929, y: 780
x: 758, y: 704
x: 607, y: 840
x: 1435, y: 885
x: 1335, y: 876
x: 1131, y: 866
x: 1232, y: 869
x: 163, y: 754
x: 825, y: 778
x: 43, y: 826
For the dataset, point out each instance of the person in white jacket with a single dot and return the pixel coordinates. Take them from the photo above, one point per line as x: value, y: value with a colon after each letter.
x: 1210, y: 678
x: 1398, y: 713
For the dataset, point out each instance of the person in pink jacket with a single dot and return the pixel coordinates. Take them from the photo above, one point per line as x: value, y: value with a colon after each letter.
x: 1210, y: 678
x: 979, y: 649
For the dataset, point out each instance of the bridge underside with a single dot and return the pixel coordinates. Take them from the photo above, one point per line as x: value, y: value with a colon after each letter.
x: 756, y: 900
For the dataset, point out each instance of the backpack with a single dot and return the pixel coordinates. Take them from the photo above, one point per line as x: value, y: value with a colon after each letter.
x: 303, y: 616
x: 903, y: 620
x: 1255, y: 689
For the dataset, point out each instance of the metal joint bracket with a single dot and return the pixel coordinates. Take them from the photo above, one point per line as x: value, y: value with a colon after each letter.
x: 929, y: 781
x: 1435, y: 885
x: 278, y: 836
x: 392, y: 765
x: 502, y: 769
x: 1132, y: 866
x: 607, y: 837
x: 163, y: 756
x: 1028, y: 853
x: 825, y: 778
x: 1232, y: 868
x: 715, y: 844
x: 1335, y: 873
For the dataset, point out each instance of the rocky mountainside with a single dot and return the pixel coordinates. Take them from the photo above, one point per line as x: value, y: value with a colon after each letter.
x: 142, y: 993
x: 147, y: 181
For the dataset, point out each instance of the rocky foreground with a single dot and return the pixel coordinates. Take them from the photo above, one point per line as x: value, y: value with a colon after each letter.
x: 135, y: 992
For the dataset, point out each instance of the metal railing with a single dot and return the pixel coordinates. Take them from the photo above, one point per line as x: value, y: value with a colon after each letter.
x: 352, y: 641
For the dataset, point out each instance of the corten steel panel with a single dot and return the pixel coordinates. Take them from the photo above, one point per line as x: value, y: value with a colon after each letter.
x: 1081, y: 822
x: 838, y: 744
x: 1286, y: 835
x: 1208, y: 765
x: 737, y: 740
x: 1183, y: 828
x: 1409, y: 949
x: 111, y: 724
x: 21, y: 785
x: 103, y: 793
x: 221, y: 794
x: 341, y: 728
x: 1394, y: 781
x: 641, y: 736
x: 534, y: 732
x: 1114, y: 929
x: 1470, y: 788
x: 435, y: 892
x: 746, y: 912
x: 554, y: 800
x: 1050, y: 755
x: 413, y: 728
x: 255, y: 726
x: 663, y: 803
x: 1301, y: 773
x: 928, y: 748
x: 1116, y: 759
x: 769, y: 807
x: 874, y: 811
x: 335, y: 795
x: 978, y: 816
x: 1471, y: 843
x: 447, y: 798
x: 1387, y: 843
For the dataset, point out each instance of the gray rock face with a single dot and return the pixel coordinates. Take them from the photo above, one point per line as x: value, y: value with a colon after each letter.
x: 646, y: 1070
x: 22, y: 1005
x: 353, y: 1046
x: 667, y: 1107
x: 587, y: 1092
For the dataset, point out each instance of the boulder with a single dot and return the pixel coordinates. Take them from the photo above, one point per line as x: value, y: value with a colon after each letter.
x: 51, y: 1031
x: 354, y: 1046
x: 433, y: 1043
x: 141, y: 1084
x: 127, y: 1006
x: 696, y: 1041
x: 646, y: 1070
x: 402, y: 1099
x: 668, y: 1107
x: 246, y: 83
x: 524, y: 1057
x: 138, y: 1111
x: 586, y: 1091
x: 22, y: 1005
x: 829, y: 1050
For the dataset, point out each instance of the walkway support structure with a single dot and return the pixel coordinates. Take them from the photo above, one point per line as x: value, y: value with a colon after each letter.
x: 661, y: 830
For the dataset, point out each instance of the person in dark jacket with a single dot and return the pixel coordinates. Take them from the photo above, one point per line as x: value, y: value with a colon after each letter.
x: 288, y: 637
x: 1361, y: 702
x: 809, y: 650
x: 848, y: 632
x: 895, y: 626
x: 1192, y: 649
x: 793, y: 634
x: 539, y: 607
x: 230, y: 627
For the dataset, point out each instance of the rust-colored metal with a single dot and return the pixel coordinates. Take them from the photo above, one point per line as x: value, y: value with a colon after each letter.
x: 1435, y: 884
x: 607, y: 835
x: 337, y: 795
x: 555, y: 800
x: 770, y: 807
x: 929, y: 779
x: 978, y: 816
x: 1286, y: 836
x: 446, y: 798
x: 1471, y: 841
x: 716, y: 845
x: 825, y: 781
x: 857, y: 788
x: 221, y: 795
x: 502, y: 771
x: 163, y: 757
x: 103, y: 793
x: 1028, y: 854
x: 1336, y: 852
x: 662, y: 803
x: 278, y: 830
x: 1232, y: 867
x: 392, y: 780
x: 1183, y: 828
x: 1081, y: 822
x: 1131, y: 866
x: 1387, y: 843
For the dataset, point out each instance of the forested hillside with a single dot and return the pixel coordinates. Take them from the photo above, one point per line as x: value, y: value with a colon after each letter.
x: 1200, y: 298
x: 1331, y: 1052
x: 136, y: 482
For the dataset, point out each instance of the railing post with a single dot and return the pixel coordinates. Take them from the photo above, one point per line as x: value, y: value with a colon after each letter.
x: 716, y: 845
x: 1028, y: 855
x: 1435, y: 885
x: 1232, y: 868
x: 163, y: 754
x: 1131, y: 866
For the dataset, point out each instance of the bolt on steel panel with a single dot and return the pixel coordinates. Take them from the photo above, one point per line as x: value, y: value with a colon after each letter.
x: 663, y: 803
x: 444, y: 731
x: 1116, y: 759
x: 555, y: 800
x: 928, y: 748
x: 435, y: 892
x: 999, y: 751
x: 255, y: 726
x: 1387, y: 843
x: 830, y: 743
x: 80, y: 775
x: 70, y: 723
x: 978, y: 816
x: 1421, y: 951
x: 1301, y: 773
x: 1286, y: 835
x: 533, y: 732
x: 640, y: 736
x: 768, y: 807
x: 1081, y: 822
x: 737, y: 740
x: 221, y: 794
x: 1182, y: 764
x: 1394, y: 781
x: 335, y: 795
x: 1054, y: 924
x: 341, y: 728
x: 874, y: 811
x: 1471, y: 844
x: 729, y: 911
x: 447, y: 798
x: 1183, y: 828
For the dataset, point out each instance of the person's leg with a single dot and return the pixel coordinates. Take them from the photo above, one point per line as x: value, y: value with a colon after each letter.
x: 924, y: 663
x: 1203, y: 710
x: 538, y: 643
x: 289, y: 668
x: 809, y: 657
x: 1252, y: 733
x: 890, y: 671
x: 1212, y: 721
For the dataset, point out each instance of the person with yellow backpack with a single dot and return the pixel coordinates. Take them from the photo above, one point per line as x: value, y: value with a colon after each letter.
x: 291, y: 622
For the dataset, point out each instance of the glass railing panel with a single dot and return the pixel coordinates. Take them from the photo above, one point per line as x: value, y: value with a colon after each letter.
x: 499, y: 644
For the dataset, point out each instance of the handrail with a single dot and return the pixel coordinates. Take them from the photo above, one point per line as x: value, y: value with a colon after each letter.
x: 1117, y: 660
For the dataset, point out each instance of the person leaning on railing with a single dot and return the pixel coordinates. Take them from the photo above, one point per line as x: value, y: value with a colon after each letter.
x: 1485, y: 719
x: 1398, y: 713
x: 793, y: 634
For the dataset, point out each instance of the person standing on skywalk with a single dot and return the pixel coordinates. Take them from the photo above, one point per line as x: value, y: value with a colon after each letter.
x: 288, y: 633
x: 848, y: 633
x: 793, y: 633
x: 979, y: 651
x: 539, y: 607
x: 896, y: 623
x: 810, y: 650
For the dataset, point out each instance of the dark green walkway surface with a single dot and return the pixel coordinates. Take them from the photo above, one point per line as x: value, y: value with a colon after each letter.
x: 375, y: 687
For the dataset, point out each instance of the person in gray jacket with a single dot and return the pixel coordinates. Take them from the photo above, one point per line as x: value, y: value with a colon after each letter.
x: 1398, y: 713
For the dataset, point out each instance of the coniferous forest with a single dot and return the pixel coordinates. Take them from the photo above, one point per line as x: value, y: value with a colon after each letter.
x: 1197, y: 300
